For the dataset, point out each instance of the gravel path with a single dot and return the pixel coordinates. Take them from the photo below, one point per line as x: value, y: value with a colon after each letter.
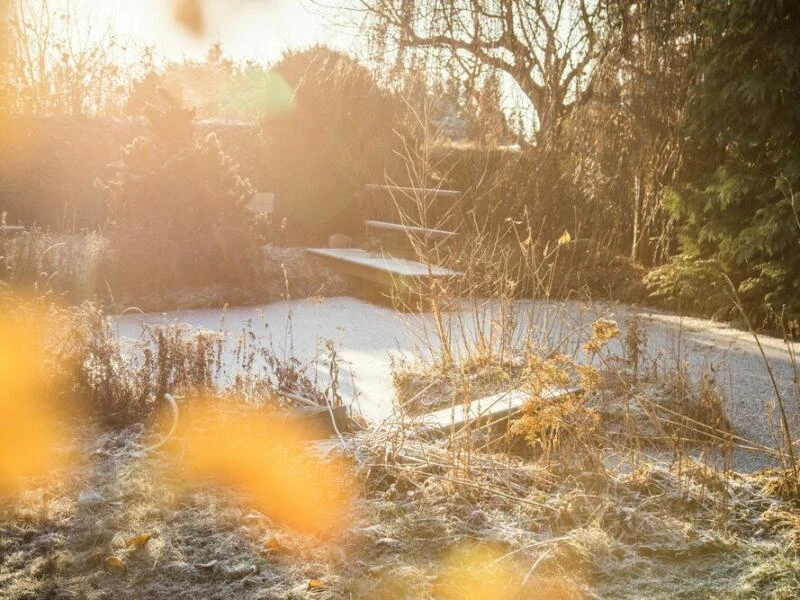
x: 742, y: 373
x: 370, y: 337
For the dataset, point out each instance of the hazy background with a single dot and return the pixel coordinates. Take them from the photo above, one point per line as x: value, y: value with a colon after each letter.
x: 247, y: 29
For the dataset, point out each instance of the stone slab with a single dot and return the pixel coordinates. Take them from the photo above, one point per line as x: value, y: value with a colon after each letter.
x: 486, y: 411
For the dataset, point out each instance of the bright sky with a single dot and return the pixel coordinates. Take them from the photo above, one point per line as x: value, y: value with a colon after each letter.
x: 259, y: 30
x: 248, y: 29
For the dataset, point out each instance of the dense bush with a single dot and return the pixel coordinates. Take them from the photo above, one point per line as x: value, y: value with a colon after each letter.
x: 49, y: 166
x: 177, y: 213
x: 737, y: 203
x: 502, y: 184
x: 525, y: 186
x: 692, y: 285
x: 337, y: 134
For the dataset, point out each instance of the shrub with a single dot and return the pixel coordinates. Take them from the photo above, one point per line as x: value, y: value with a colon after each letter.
x: 337, y: 135
x: 737, y: 202
x: 177, y: 212
x: 48, y: 167
x: 691, y: 285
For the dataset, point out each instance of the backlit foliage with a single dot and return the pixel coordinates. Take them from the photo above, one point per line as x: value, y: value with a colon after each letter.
x: 737, y: 202
x: 338, y: 134
x: 603, y: 331
x: 565, y: 427
x: 177, y: 211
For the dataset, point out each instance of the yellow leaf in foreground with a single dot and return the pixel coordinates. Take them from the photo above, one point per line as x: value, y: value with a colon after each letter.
x: 139, y: 541
x: 487, y: 572
x: 565, y: 238
x: 274, y: 545
x: 189, y: 14
x: 115, y: 563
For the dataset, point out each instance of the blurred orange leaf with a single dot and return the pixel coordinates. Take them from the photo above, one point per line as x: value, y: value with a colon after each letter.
x: 477, y: 572
x: 266, y: 460
x: 190, y: 15
x: 473, y: 571
x: 31, y: 441
x: 315, y: 584
x: 115, y: 563
x: 139, y: 541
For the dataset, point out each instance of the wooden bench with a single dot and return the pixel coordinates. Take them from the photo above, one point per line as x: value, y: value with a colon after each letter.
x: 411, y: 191
x: 399, y: 274
x: 393, y: 262
x: 419, y: 212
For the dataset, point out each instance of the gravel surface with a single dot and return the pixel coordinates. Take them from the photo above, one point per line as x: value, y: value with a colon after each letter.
x: 742, y: 373
x: 369, y: 338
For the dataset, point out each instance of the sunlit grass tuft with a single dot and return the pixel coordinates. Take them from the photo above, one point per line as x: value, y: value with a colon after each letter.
x: 484, y: 572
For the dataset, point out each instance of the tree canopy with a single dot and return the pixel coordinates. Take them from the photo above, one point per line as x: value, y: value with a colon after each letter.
x: 547, y: 48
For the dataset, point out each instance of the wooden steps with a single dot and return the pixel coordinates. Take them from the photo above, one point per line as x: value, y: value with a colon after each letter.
x: 428, y: 233
x: 387, y: 271
x: 410, y: 191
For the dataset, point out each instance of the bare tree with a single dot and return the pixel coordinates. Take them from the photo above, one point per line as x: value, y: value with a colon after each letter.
x: 61, y: 66
x: 548, y: 47
x: 5, y: 61
x: 626, y: 143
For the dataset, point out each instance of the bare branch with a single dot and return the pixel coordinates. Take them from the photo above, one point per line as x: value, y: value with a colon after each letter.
x: 548, y: 48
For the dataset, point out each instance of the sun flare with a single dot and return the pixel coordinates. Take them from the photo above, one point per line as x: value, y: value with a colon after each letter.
x: 399, y: 299
x: 247, y: 29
